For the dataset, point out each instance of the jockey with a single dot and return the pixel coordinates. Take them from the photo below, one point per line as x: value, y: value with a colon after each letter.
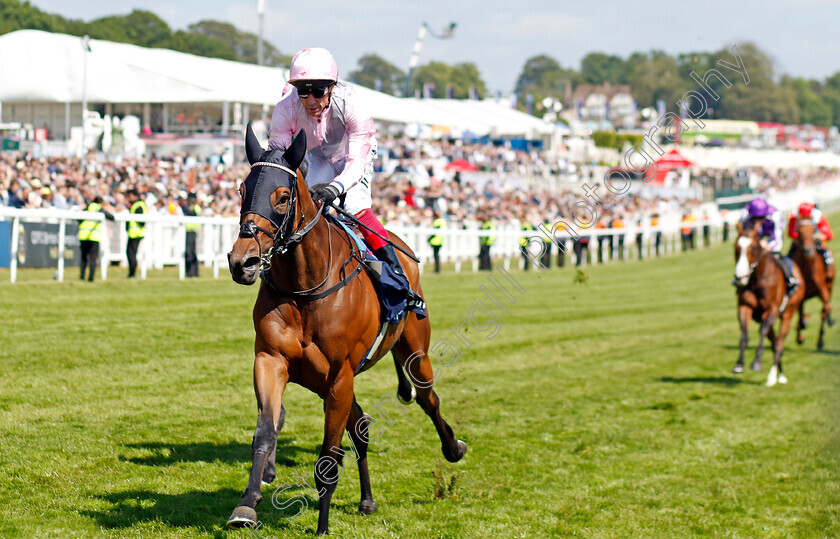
x: 340, y: 140
x: 771, y: 228
x: 809, y: 211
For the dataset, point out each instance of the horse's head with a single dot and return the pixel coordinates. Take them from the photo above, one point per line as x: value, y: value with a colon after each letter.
x: 747, y: 250
x: 806, y: 240
x: 271, y: 206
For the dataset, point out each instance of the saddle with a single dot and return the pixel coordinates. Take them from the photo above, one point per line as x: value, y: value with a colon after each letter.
x: 395, y: 296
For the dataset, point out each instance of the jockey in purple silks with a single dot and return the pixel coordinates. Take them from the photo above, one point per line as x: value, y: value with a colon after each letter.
x: 771, y: 228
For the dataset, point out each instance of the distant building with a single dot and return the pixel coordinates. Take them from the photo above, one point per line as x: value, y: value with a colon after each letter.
x: 603, y: 103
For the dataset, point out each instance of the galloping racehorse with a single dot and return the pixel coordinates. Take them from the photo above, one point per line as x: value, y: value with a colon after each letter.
x: 762, y: 296
x: 316, y: 317
x: 818, y: 277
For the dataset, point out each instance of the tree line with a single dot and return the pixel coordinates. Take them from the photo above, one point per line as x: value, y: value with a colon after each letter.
x: 205, y: 38
x: 652, y: 76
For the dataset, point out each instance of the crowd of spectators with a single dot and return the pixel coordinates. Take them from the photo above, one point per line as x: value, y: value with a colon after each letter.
x: 412, y: 184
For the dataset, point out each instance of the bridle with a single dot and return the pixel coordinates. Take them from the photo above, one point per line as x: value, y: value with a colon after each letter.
x: 285, y: 236
x: 809, y: 251
x: 744, y: 280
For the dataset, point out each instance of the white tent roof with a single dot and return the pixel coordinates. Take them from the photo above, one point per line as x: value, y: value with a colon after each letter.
x: 38, y: 66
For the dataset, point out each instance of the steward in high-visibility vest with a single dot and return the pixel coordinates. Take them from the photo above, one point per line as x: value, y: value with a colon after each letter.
x: 526, y: 228
x: 436, y: 240
x: 485, y: 241
x: 90, y: 234
x: 191, y: 208
x: 136, y: 230
x: 687, y: 232
x: 90, y: 230
x: 489, y: 238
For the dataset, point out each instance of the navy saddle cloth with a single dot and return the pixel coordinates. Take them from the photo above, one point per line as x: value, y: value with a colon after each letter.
x: 395, y: 294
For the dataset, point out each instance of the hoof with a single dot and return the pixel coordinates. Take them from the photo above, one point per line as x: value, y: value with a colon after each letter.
x: 782, y: 379
x: 367, y: 507
x: 738, y: 369
x: 756, y: 366
x: 830, y: 321
x: 410, y: 399
x: 800, y: 340
x: 459, y: 454
x: 243, y: 516
x: 820, y: 345
x: 770, y: 383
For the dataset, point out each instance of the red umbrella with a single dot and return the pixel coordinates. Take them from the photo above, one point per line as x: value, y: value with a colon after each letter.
x: 673, y: 159
x: 461, y: 165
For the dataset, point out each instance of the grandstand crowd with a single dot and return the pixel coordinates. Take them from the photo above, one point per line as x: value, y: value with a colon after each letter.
x: 412, y: 184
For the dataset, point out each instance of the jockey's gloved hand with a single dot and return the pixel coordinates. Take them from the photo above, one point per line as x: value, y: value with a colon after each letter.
x: 326, y: 193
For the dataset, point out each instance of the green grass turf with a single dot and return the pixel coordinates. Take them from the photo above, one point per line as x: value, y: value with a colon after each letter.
x: 603, y: 409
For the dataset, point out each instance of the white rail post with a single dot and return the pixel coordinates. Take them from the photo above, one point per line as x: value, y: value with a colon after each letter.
x: 61, y: 231
x: 15, y: 241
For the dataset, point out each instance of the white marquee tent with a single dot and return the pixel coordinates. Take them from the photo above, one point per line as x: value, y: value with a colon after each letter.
x: 42, y: 69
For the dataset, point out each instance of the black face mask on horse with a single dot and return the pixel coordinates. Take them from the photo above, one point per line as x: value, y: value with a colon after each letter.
x: 270, y: 170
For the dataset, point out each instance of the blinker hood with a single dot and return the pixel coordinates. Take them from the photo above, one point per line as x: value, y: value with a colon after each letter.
x: 263, y: 180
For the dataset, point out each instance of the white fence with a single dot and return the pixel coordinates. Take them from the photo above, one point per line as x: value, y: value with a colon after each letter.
x: 165, y: 240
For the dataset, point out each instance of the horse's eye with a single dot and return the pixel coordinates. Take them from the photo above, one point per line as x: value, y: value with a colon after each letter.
x: 284, y: 199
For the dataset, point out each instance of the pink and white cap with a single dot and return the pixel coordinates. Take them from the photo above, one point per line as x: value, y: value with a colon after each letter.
x: 313, y: 64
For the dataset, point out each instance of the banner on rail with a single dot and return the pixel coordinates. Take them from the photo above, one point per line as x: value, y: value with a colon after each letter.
x: 38, y: 244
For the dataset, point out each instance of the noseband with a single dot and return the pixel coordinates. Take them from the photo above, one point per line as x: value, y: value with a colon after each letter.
x: 284, y: 238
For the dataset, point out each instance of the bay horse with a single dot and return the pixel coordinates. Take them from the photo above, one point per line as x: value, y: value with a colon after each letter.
x: 818, y: 277
x: 316, y: 317
x: 762, y: 296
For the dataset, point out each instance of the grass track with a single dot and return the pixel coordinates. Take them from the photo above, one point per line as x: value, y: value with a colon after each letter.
x: 603, y: 409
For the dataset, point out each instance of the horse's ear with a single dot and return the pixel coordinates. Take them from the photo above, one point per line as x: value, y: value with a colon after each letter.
x: 294, y: 155
x: 253, y: 149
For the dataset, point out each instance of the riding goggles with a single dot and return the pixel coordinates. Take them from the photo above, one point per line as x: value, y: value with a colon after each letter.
x: 318, y: 90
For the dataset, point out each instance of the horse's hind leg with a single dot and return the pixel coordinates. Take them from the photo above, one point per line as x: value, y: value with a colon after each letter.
x: 270, y: 378
x: 357, y: 428
x: 405, y: 391
x: 410, y: 351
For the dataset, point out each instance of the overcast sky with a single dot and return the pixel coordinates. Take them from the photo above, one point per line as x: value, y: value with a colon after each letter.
x: 499, y: 36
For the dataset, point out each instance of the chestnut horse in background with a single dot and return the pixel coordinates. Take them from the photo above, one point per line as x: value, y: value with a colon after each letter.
x: 762, y: 296
x: 818, y: 277
x: 316, y: 317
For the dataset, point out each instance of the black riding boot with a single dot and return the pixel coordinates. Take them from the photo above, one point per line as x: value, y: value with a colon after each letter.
x: 388, y: 255
x: 790, y: 280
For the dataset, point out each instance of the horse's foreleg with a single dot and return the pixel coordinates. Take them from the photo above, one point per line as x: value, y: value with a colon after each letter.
x: 825, y: 296
x: 270, y: 378
x: 778, y: 349
x: 405, y: 391
x: 338, y: 401
x: 411, y: 352
x: 270, y: 471
x: 744, y: 315
x: 801, y: 324
x: 357, y: 428
x: 766, y: 324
